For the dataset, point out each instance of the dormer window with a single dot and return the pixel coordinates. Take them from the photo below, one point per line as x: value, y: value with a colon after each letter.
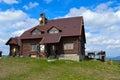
x: 53, y: 30
x: 36, y: 32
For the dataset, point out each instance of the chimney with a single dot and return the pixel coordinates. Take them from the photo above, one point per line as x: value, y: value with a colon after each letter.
x: 42, y: 19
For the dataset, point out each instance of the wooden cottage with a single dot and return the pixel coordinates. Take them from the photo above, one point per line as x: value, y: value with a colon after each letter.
x: 51, y: 38
x: 14, y: 44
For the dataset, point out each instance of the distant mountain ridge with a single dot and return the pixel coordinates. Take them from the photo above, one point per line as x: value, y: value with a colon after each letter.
x: 116, y: 58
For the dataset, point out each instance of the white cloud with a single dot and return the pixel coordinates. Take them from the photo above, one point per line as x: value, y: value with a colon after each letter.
x: 102, y: 25
x: 12, y: 15
x: 18, y: 33
x: 29, y: 23
x: 10, y: 1
x: 15, y: 19
x: 30, y: 5
x: 2, y: 41
x: 104, y: 7
x: 48, y: 1
x: 13, y: 23
x: 88, y: 34
x: 113, y: 47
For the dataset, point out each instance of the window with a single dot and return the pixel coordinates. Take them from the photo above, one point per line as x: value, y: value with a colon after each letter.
x: 53, y: 30
x: 68, y: 46
x: 36, y: 47
x: 36, y: 32
x: 42, y: 48
x: 33, y: 47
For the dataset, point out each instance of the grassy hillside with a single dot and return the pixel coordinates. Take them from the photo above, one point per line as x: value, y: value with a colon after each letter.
x: 40, y: 69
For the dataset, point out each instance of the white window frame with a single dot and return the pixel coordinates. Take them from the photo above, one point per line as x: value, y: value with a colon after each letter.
x: 34, y: 47
x: 36, y: 32
x: 42, y: 48
x: 53, y: 30
x: 68, y: 46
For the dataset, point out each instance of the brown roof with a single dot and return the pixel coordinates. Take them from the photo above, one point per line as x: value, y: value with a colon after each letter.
x: 15, y: 41
x: 51, y: 38
x: 67, y: 26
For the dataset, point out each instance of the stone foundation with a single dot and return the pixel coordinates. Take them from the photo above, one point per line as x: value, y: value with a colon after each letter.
x: 74, y: 57
x: 33, y: 56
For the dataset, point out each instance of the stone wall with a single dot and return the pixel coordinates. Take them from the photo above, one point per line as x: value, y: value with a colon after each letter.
x: 74, y: 57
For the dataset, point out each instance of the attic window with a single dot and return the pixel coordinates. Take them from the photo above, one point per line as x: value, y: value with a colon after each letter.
x: 36, y: 31
x: 53, y: 30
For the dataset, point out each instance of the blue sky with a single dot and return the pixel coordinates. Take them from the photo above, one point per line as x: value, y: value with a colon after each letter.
x: 101, y: 17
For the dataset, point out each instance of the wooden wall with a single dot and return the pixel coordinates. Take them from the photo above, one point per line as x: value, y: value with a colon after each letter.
x: 26, y: 46
x: 74, y: 40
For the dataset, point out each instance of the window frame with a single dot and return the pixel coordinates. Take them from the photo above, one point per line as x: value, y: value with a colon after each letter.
x: 53, y: 30
x: 42, y: 48
x: 34, y: 47
x: 68, y: 46
x: 36, y: 32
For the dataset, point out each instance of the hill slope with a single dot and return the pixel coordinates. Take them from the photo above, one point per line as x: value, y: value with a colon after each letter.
x: 40, y: 69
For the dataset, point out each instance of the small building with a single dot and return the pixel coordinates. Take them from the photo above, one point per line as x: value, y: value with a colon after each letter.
x: 14, y: 44
x: 51, y: 38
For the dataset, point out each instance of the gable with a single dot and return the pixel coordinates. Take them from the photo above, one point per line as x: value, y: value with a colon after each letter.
x: 36, y: 32
x: 53, y: 30
x: 15, y: 41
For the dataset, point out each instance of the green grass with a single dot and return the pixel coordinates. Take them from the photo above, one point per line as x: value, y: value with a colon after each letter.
x: 40, y: 69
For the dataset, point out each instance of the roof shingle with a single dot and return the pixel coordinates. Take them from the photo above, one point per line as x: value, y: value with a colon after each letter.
x: 50, y: 38
x: 15, y: 41
x: 68, y: 27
